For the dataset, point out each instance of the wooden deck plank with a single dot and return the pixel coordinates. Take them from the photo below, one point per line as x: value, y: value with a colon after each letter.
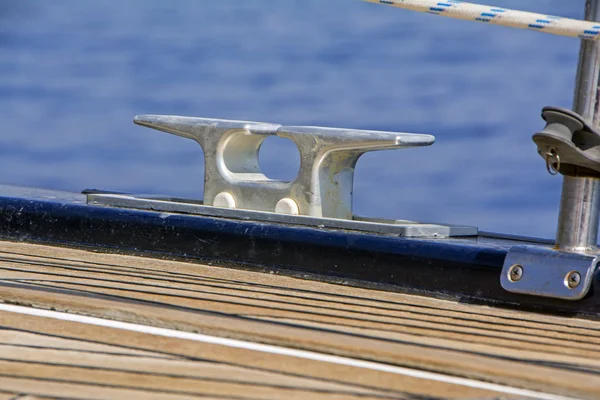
x: 72, y: 390
x: 426, y: 319
x: 564, y: 350
x: 351, y: 379
x: 526, y: 350
x: 36, y: 341
x: 197, y: 371
x: 144, y: 381
x: 15, y: 396
x: 334, y: 295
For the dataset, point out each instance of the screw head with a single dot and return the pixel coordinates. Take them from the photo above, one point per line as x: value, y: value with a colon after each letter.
x: 515, y: 273
x: 572, y: 280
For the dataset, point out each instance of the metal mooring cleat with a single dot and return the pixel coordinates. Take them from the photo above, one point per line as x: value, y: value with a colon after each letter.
x: 320, y: 195
x: 323, y: 187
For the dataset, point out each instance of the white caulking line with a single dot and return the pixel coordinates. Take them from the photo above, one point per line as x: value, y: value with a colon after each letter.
x: 265, y: 348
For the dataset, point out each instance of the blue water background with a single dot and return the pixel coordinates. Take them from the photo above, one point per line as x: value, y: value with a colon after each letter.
x: 73, y: 73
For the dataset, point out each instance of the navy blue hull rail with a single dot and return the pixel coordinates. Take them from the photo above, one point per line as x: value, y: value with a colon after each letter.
x: 465, y: 269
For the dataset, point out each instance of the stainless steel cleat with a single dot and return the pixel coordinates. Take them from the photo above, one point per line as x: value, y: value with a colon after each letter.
x: 320, y: 196
x: 328, y: 156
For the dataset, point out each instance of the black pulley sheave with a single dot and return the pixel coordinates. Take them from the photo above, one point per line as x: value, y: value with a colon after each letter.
x: 569, y: 144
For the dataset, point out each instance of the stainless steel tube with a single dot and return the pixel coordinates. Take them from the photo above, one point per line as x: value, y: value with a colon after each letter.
x: 580, y: 202
x: 578, y: 218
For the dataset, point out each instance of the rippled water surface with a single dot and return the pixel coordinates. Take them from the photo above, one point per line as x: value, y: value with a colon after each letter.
x: 73, y: 74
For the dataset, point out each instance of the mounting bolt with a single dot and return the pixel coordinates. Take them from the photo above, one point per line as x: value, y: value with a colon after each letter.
x: 225, y: 200
x: 286, y: 206
x: 572, y: 280
x: 515, y: 273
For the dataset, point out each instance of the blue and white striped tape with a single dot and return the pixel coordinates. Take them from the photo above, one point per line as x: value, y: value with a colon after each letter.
x: 501, y: 16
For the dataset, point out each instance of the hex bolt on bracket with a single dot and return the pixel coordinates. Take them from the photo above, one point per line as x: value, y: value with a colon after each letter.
x: 548, y: 273
x: 320, y: 195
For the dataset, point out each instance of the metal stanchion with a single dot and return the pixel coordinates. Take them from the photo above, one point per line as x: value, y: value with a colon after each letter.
x: 580, y: 202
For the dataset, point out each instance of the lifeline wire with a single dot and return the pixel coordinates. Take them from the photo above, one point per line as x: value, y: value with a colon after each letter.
x: 501, y: 16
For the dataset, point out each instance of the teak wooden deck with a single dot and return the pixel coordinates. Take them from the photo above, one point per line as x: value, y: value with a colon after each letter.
x: 354, y: 343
